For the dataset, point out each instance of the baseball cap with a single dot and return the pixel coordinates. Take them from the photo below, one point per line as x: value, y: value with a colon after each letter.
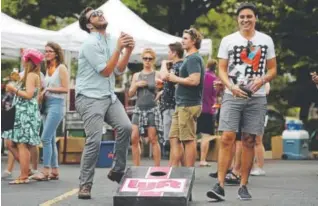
x: 247, y: 5
x: 34, y: 55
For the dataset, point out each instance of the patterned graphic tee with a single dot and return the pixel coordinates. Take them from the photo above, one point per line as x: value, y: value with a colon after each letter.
x: 246, y: 58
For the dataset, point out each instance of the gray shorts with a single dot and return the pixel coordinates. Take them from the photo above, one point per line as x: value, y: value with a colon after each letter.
x: 150, y: 122
x: 167, y: 119
x: 252, y: 111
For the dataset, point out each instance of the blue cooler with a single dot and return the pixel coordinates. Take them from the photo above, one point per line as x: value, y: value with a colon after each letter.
x: 295, y: 144
x: 106, y: 153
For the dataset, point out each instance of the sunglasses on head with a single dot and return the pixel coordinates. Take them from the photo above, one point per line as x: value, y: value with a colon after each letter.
x: 95, y: 14
x: 191, y: 32
x: 147, y: 58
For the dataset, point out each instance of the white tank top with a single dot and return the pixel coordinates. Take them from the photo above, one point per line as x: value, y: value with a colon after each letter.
x: 54, y: 81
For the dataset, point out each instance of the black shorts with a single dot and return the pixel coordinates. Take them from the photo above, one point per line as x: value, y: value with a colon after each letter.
x: 206, y: 123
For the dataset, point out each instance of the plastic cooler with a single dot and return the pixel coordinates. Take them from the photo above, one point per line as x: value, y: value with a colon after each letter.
x: 106, y: 153
x: 295, y: 144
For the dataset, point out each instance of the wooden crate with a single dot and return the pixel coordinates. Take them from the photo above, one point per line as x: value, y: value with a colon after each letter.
x: 75, y: 146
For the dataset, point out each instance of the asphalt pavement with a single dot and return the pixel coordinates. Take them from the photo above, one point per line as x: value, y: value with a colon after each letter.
x: 286, y: 183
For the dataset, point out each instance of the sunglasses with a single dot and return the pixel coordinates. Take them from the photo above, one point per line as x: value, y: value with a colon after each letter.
x: 95, y: 14
x: 249, y: 46
x: 49, y: 51
x: 191, y: 32
x: 147, y: 59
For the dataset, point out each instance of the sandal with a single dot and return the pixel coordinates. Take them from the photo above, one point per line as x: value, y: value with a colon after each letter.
x: 54, y: 176
x: 215, y: 174
x: 205, y: 165
x: 232, y: 179
x: 19, y: 181
x: 40, y: 177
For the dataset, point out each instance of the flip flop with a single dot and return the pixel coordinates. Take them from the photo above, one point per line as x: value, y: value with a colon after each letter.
x: 19, y: 181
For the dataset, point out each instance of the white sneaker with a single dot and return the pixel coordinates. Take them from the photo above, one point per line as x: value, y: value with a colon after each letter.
x: 6, y: 176
x: 258, y: 172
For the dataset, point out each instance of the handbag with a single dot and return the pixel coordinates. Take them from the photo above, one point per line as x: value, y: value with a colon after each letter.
x: 7, y: 119
x: 7, y: 114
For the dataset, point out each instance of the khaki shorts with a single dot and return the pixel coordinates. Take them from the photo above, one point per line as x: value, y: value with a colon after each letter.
x: 184, y: 122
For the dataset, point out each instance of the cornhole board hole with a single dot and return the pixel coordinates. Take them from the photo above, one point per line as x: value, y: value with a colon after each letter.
x: 155, y: 186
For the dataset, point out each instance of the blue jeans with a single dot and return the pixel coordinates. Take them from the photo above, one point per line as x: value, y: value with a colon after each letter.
x: 54, y: 112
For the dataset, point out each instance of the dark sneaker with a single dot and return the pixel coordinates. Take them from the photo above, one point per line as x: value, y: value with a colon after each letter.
x: 243, y: 193
x: 217, y: 193
x: 115, y: 176
x: 85, y: 191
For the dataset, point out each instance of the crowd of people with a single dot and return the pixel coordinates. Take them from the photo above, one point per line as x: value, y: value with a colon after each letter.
x: 174, y: 105
x: 36, y: 97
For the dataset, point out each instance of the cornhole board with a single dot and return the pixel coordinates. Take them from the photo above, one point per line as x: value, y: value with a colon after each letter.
x: 155, y: 186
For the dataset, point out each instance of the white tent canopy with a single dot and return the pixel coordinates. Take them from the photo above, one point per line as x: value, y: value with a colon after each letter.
x: 16, y: 34
x: 122, y: 19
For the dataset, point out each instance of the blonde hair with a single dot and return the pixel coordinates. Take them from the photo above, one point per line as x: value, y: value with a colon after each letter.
x: 29, y: 67
x: 149, y: 51
x: 212, y: 64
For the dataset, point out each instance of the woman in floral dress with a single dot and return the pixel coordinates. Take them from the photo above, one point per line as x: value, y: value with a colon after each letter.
x: 25, y: 133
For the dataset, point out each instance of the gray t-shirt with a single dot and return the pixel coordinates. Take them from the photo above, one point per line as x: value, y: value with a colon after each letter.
x: 190, y: 95
x: 146, y: 95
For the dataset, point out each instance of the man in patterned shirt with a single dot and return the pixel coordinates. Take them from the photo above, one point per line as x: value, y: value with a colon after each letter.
x: 167, y: 100
x: 249, y: 56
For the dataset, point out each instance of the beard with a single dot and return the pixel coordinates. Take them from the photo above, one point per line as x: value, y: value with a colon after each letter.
x: 100, y: 26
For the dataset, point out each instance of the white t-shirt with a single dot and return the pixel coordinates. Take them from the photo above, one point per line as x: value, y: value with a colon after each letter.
x: 247, y: 58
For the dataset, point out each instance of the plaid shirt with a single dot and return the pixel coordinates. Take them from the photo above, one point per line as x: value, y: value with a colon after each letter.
x: 143, y: 121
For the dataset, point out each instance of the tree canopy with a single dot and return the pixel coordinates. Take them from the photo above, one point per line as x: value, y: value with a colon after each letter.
x: 291, y: 23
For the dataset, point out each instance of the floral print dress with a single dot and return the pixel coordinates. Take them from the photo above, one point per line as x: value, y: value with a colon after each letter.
x: 27, y: 122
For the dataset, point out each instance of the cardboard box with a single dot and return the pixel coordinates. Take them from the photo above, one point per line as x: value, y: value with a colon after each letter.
x: 277, y: 147
x: 75, y: 146
x: 213, y: 148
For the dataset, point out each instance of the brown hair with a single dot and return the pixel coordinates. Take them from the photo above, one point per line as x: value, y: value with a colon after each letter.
x: 195, y: 36
x: 58, y: 51
x: 212, y: 64
x: 83, y: 20
x: 177, y: 47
